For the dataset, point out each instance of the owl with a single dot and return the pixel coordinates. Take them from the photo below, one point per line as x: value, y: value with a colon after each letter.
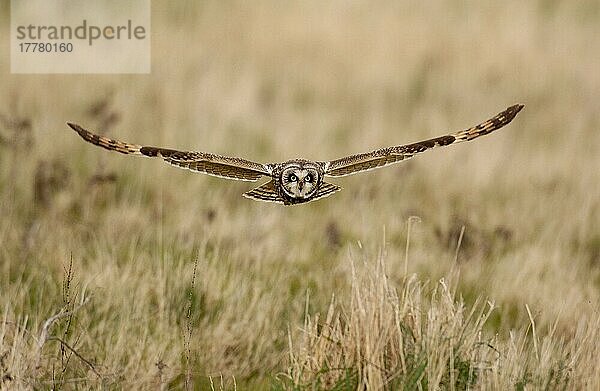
x: 296, y: 181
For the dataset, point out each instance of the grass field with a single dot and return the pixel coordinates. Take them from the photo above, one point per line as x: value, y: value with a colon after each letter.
x: 476, y: 266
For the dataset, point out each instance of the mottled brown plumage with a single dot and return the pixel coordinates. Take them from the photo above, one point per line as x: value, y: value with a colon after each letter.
x: 382, y: 157
x: 296, y: 181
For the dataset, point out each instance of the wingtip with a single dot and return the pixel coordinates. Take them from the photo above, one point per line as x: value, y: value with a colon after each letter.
x: 513, y: 110
x: 72, y: 125
x: 79, y: 130
x: 517, y: 107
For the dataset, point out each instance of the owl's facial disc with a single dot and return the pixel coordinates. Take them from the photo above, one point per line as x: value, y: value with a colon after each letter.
x: 299, y: 181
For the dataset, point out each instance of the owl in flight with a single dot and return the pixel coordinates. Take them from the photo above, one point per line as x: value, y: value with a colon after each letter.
x: 296, y: 181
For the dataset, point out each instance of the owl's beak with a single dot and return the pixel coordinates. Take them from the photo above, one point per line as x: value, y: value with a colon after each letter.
x: 300, y: 185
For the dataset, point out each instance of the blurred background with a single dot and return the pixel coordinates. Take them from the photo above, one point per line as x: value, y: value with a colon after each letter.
x: 270, y: 81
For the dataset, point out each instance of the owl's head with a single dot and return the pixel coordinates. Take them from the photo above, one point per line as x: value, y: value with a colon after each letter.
x: 300, y: 179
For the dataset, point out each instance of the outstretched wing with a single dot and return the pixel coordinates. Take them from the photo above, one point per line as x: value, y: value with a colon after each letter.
x: 382, y: 157
x: 208, y: 163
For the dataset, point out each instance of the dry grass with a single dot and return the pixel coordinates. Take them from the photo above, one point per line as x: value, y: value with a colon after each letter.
x: 413, y: 336
x: 271, y: 81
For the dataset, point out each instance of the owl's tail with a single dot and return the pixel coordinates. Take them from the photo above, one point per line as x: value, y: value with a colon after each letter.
x: 266, y: 192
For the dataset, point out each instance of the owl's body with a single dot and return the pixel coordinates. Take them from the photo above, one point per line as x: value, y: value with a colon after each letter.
x: 296, y: 181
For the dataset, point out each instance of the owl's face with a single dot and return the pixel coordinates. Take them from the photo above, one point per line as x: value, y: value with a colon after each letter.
x: 300, y: 180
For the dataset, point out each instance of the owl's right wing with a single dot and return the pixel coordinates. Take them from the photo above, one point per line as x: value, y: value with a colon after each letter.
x: 385, y: 156
x: 208, y: 163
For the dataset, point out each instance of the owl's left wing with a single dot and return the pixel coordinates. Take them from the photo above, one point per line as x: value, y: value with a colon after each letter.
x: 208, y: 163
x: 385, y: 156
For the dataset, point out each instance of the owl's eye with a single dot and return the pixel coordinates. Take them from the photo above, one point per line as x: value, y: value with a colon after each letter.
x: 308, y: 178
x: 293, y: 178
